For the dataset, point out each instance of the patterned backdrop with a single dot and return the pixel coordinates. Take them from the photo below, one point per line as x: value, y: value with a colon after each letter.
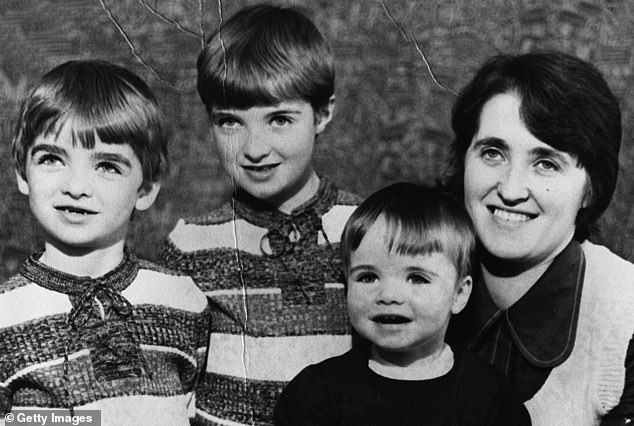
x: 391, y: 122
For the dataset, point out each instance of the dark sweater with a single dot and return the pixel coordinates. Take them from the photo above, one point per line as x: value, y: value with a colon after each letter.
x: 344, y: 391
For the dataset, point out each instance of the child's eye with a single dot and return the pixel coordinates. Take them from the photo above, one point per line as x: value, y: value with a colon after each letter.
x: 281, y: 120
x: 366, y: 277
x: 49, y: 160
x: 227, y: 123
x: 418, y: 279
x: 109, y: 168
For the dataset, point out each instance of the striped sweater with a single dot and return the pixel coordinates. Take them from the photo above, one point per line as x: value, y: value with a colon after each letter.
x: 275, y: 286
x: 129, y: 343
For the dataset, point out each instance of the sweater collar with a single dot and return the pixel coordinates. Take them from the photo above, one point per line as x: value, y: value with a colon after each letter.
x: 262, y: 214
x: 52, y: 279
x: 543, y: 322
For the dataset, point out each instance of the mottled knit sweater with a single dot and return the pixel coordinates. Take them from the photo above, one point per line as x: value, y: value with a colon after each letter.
x: 129, y: 343
x: 275, y: 286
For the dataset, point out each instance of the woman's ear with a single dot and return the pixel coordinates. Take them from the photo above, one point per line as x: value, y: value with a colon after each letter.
x: 463, y: 291
x: 324, y: 115
x: 147, y: 195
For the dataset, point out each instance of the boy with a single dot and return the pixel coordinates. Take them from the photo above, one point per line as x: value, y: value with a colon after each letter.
x: 407, y: 254
x: 268, y: 259
x: 85, y: 324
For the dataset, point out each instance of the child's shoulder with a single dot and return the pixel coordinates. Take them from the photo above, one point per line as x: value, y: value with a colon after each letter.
x: 477, y: 375
x: 224, y: 213
x: 346, y: 198
x: 13, y: 283
x: 159, y: 285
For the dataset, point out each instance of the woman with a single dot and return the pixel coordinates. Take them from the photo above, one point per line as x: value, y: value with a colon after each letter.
x: 536, y: 148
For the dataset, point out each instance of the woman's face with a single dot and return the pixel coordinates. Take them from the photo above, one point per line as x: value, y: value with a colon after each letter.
x: 522, y: 194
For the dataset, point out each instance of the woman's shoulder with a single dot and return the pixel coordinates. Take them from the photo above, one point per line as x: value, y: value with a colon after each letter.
x: 602, y: 260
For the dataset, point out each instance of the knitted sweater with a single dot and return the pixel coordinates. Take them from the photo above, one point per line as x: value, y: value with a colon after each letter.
x: 129, y: 343
x: 589, y: 383
x: 564, y: 344
x: 276, y: 289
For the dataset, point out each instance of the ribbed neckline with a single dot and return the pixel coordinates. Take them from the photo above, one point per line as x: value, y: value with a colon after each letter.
x: 52, y: 279
x: 263, y: 215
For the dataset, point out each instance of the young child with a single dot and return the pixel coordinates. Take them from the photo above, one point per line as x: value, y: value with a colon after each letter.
x: 85, y: 324
x: 268, y: 259
x: 407, y: 254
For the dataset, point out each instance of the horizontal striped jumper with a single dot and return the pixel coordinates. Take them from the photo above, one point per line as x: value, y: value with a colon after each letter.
x: 276, y: 291
x: 129, y: 343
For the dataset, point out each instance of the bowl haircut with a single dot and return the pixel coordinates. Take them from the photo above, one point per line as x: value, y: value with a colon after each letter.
x: 94, y: 97
x: 264, y: 55
x: 420, y: 220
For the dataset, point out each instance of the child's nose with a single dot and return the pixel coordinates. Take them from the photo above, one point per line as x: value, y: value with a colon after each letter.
x: 77, y: 183
x: 390, y: 292
x: 257, y: 146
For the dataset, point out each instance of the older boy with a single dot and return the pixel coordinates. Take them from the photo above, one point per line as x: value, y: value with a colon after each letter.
x: 406, y: 252
x: 268, y: 259
x: 85, y: 324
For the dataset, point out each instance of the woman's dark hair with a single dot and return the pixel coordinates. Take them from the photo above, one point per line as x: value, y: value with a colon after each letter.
x: 565, y: 103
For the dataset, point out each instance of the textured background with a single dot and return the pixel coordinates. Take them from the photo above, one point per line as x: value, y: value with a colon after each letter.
x: 391, y: 122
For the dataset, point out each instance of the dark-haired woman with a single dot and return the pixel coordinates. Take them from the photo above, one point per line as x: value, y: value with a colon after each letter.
x: 536, y: 146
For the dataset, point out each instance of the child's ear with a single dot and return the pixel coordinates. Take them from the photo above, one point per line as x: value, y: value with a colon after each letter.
x: 324, y: 115
x: 23, y: 185
x: 147, y: 194
x: 461, y: 297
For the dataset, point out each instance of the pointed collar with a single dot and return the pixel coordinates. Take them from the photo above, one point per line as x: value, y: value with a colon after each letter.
x: 543, y: 322
x: 118, y: 279
x: 261, y: 214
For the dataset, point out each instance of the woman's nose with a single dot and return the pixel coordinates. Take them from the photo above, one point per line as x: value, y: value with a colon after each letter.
x: 512, y: 186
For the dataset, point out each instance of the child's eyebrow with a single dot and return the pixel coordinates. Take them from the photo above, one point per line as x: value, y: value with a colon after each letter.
x: 113, y: 157
x: 50, y: 148
x: 361, y: 267
x: 283, y: 111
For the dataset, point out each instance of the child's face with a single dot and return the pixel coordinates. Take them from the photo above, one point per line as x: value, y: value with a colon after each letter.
x: 402, y: 303
x: 84, y: 197
x: 267, y: 150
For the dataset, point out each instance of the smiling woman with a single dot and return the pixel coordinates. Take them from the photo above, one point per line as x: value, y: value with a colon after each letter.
x: 536, y: 148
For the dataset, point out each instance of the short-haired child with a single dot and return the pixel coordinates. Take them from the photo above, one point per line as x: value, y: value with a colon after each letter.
x: 85, y: 324
x: 407, y: 253
x: 268, y: 259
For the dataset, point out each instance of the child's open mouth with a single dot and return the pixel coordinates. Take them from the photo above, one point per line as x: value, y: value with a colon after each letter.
x: 391, y: 319
x: 263, y: 168
x: 74, y: 210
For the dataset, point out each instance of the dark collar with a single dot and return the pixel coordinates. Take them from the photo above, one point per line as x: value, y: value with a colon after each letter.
x: 264, y: 215
x: 118, y: 279
x: 543, y: 322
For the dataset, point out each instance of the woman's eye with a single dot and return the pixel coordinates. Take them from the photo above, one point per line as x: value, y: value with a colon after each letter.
x: 491, y: 154
x: 418, y: 279
x: 109, y: 168
x: 548, y: 165
x: 366, y: 278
